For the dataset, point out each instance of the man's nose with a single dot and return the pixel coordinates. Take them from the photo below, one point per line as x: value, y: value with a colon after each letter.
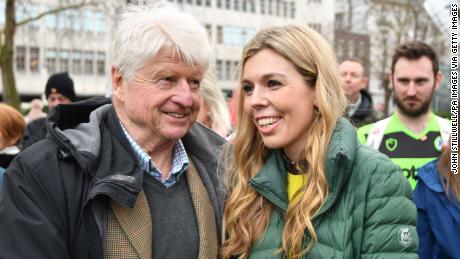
x: 183, y: 94
x: 411, y: 90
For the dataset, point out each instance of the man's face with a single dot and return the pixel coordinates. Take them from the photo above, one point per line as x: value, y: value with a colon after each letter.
x: 54, y: 99
x: 353, y: 79
x: 414, y: 84
x: 161, y: 102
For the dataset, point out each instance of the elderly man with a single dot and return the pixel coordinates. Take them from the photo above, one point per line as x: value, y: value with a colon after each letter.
x: 354, y: 81
x: 132, y: 179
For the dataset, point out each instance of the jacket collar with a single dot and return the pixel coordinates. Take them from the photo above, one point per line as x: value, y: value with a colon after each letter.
x: 271, y: 181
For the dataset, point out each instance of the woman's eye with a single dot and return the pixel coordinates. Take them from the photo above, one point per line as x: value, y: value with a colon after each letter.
x: 248, y: 88
x: 273, y: 83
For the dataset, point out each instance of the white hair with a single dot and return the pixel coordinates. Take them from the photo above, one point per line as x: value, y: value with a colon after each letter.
x: 143, y: 31
x: 214, y: 98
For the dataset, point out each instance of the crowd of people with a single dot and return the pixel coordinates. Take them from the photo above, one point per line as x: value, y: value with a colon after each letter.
x: 302, y: 168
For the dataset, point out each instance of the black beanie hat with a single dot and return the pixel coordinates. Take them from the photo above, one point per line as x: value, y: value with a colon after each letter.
x: 60, y: 83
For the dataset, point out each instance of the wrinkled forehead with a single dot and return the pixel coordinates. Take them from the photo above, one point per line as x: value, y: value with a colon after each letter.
x: 171, y: 59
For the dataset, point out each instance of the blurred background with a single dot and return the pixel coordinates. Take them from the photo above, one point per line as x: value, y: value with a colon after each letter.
x: 41, y: 37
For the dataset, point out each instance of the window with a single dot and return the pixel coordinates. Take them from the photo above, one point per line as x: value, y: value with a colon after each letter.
x: 270, y: 7
x: 73, y: 17
x: 219, y: 36
x: 236, y: 36
x: 245, y: 6
x: 88, y: 21
x: 199, y: 2
x: 208, y: 28
x: 219, y: 3
x: 219, y: 69
x: 64, y: 60
x: 34, y: 64
x: 228, y: 70
x: 252, y: 4
x: 21, y: 58
x: 315, y: 26
x: 262, y: 6
x: 51, y: 60
x: 277, y: 7
x: 236, y: 5
x: 100, y: 63
x: 76, y: 62
x: 88, y: 63
x: 285, y: 9
x: 50, y: 21
x: 207, y: 3
x: 292, y: 10
x: 189, y: 1
x: 100, y: 24
x: 227, y: 4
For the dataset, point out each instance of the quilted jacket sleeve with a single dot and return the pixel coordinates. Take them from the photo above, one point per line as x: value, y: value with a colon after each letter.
x: 390, y: 215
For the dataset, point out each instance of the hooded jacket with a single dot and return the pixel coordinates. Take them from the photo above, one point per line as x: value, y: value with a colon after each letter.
x: 56, y: 193
x: 368, y: 212
x: 365, y: 112
x: 438, y: 222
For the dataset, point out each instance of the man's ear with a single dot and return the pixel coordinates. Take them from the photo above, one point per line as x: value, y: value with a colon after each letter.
x: 117, y: 82
x: 437, y: 80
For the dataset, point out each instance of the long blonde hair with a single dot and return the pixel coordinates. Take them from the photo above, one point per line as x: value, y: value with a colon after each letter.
x: 247, y: 213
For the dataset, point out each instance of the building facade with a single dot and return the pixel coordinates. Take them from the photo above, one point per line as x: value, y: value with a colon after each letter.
x: 79, y: 41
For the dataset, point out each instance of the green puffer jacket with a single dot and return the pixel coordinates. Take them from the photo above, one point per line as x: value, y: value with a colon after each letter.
x: 367, y: 214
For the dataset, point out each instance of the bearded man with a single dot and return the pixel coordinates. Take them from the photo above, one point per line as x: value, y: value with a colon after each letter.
x: 412, y: 136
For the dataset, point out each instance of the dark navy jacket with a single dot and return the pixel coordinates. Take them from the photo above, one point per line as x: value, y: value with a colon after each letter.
x: 438, y: 223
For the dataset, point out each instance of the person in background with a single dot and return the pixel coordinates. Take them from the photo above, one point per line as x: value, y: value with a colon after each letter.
x: 354, y: 82
x: 36, y: 111
x: 58, y: 90
x: 11, y: 130
x: 130, y: 177
x: 413, y: 135
x: 301, y: 186
x: 437, y: 197
x: 213, y: 111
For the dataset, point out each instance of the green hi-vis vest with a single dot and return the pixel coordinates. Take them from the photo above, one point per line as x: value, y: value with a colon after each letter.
x: 408, y: 150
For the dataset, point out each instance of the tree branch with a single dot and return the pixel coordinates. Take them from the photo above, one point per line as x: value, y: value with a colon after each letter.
x: 57, y: 10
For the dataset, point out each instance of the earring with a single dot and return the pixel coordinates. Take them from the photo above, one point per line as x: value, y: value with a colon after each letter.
x: 317, y: 112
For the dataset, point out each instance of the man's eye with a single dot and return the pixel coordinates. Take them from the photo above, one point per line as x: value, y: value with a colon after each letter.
x: 273, y: 83
x: 248, y: 88
x: 404, y: 81
x: 166, y: 81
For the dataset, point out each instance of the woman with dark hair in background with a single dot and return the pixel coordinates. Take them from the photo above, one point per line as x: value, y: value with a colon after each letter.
x: 437, y: 197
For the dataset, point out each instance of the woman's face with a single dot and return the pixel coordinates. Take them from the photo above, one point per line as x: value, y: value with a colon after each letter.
x: 279, y: 101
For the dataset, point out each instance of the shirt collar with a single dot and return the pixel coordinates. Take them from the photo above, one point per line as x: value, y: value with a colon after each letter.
x: 179, y: 165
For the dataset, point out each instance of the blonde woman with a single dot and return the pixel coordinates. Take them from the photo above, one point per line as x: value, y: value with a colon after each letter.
x: 301, y: 185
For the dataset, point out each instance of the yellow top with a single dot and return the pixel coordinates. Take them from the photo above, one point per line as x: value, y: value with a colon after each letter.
x: 294, y: 183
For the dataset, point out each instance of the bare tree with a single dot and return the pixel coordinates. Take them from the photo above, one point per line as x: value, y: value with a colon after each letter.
x: 10, y: 93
